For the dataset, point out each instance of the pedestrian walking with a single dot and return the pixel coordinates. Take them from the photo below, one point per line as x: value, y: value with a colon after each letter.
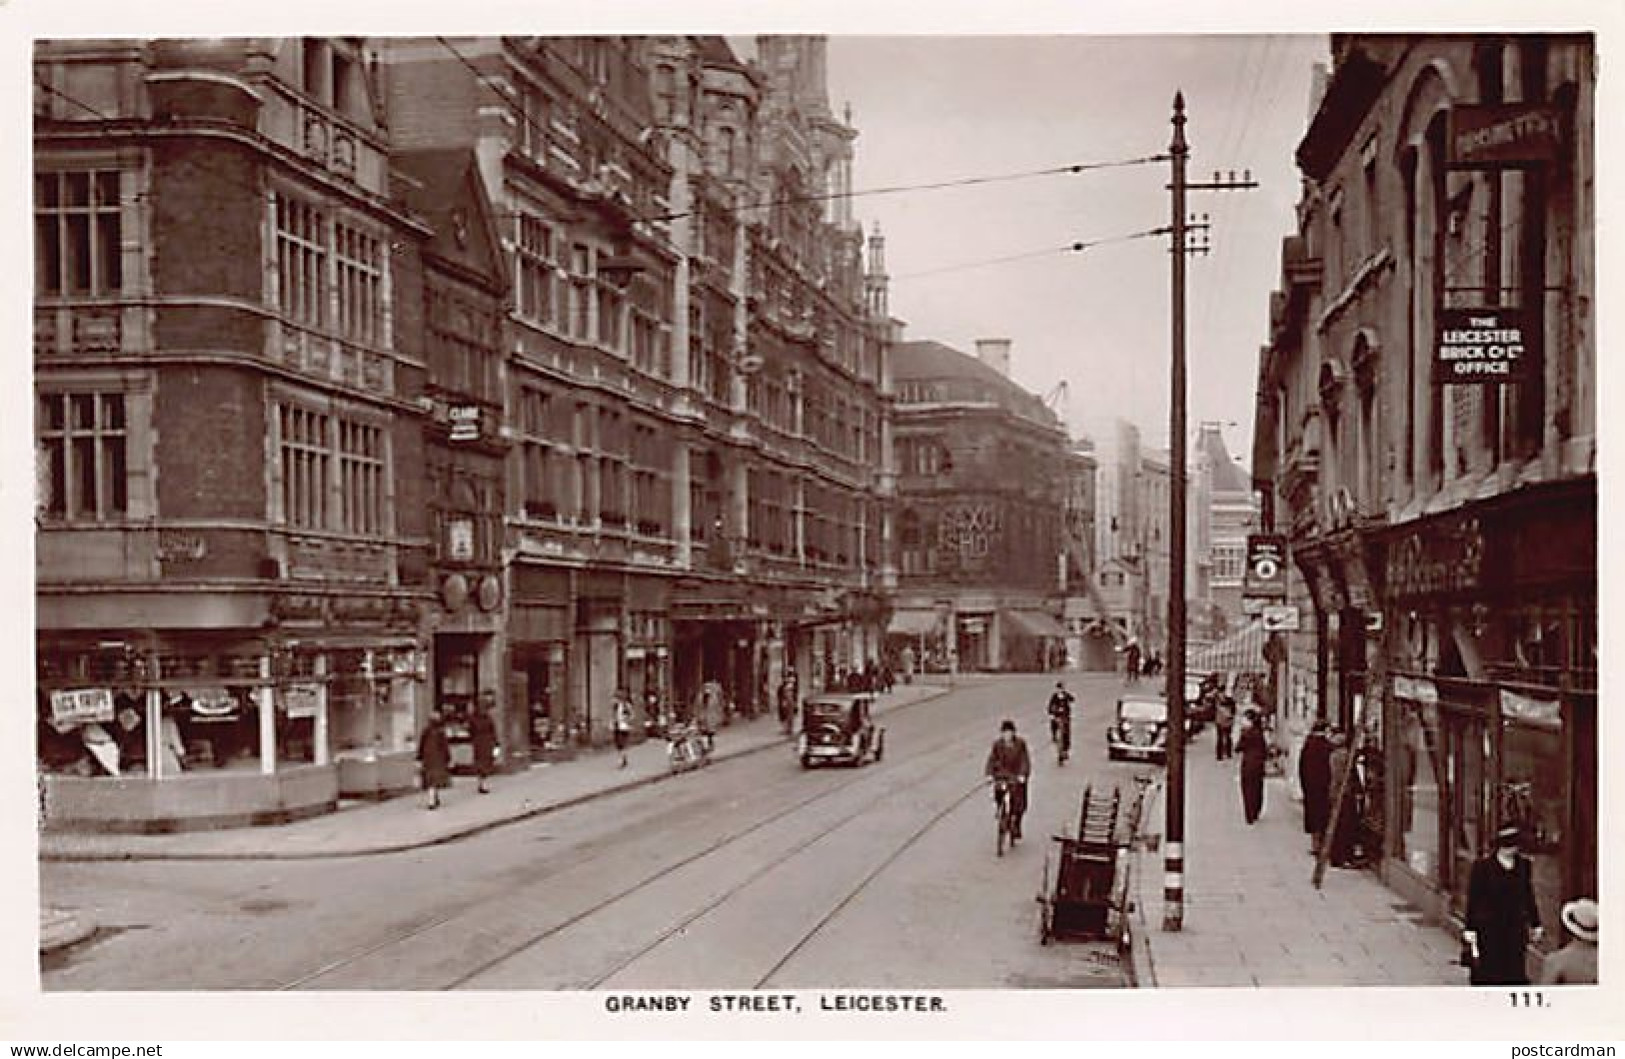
x: 1576, y: 962
x: 622, y: 708
x: 482, y: 731
x: 1501, y: 914
x: 1345, y: 836
x: 434, y: 758
x: 1315, y: 777
x: 1254, y: 754
x: 1131, y: 662
x: 1224, y: 723
x: 651, y: 713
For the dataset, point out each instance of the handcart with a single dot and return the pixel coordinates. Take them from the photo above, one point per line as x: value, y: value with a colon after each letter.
x: 1087, y: 899
x: 687, y: 747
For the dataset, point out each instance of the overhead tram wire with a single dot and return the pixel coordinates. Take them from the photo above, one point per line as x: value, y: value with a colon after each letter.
x: 1060, y: 170
x: 1071, y: 248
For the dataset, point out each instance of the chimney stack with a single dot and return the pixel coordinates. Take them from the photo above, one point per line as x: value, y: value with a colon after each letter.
x: 995, y: 353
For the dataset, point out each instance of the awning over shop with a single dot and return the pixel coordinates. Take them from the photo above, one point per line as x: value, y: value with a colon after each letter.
x: 1034, y: 623
x: 913, y: 623
x: 1241, y: 651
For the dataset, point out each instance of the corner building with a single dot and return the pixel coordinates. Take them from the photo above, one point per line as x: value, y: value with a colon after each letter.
x: 230, y: 540
x: 1444, y: 534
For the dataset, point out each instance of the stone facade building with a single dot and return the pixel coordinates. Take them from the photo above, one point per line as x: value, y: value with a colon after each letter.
x: 1443, y: 529
x: 981, y: 477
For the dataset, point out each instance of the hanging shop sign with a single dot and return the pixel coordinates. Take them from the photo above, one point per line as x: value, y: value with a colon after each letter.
x: 1280, y: 619
x: 1480, y: 346
x: 1504, y: 135
x: 1266, y: 566
x: 465, y: 422
x: 460, y: 539
x: 80, y: 706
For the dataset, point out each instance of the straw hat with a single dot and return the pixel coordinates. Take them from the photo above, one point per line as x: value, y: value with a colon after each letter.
x: 1511, y: 835
x: 1580, y: 917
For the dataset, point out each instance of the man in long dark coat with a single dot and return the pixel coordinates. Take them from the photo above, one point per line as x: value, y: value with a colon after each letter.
x: 1315, y: 777
x: 1254, y: 753
x: 1501, y: 914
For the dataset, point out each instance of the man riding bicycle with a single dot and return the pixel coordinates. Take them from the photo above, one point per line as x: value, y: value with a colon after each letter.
x: 1060, y: 719
x: 1008, y: 763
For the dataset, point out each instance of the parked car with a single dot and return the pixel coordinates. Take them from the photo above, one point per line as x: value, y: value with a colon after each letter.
x: 839, y: 729
x: 1140, y: 729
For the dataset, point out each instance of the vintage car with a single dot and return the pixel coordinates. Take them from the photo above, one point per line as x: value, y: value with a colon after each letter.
x: 839, y: 729
x: 1140, y: 729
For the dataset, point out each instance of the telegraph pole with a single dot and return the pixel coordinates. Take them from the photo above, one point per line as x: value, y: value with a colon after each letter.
x: 1173, y: 892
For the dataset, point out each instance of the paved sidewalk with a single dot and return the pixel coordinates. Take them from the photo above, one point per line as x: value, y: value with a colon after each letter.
x: 402, y: 823
x: 1252, y: 915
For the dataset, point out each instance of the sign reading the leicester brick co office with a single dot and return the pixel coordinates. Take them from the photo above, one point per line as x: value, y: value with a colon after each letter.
x: 1503, y: 135
x: 1479, y: 346
x: 1266, y: 566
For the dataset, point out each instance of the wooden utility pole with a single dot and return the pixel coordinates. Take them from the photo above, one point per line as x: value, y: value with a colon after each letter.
x: 1173, y: 894
x: 1173, y: 884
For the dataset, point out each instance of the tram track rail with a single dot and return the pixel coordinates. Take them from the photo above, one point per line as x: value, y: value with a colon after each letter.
x: 921, y: 760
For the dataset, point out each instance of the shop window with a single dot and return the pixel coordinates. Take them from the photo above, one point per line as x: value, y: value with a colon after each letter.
x: 1420, y: 772
x: 1531, y: 795
x: 211, y: 728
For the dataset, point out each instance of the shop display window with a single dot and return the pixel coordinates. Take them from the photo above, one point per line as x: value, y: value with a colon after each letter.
x: 1420, y: 773
x: 210, y: 728
x: 1532, y: 796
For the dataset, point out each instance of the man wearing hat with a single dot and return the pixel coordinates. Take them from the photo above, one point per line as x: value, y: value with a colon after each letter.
x: 1576, y: 962
x: 1501, y: 915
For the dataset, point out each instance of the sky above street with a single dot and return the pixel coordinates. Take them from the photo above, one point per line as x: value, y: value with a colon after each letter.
x: 938, y: 108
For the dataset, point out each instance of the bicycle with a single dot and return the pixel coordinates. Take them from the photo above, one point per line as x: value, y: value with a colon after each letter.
x: 1003, y: 814
x: 1060, y: 733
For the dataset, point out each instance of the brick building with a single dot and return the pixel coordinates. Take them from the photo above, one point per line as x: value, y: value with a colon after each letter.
x: 981, y: 480
x: 231, y: 571
x: 1442, y: 528
x: 693, y: 384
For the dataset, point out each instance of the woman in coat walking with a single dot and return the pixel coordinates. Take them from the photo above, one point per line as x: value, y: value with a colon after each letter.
x: 1501, y: 914
x: 1315, y: 777
x: 483, y: 733
x: 1254, y: 753
x: 434, y: 756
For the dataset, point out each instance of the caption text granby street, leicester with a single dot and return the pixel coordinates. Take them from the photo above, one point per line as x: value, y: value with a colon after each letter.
x: 772, y: 1003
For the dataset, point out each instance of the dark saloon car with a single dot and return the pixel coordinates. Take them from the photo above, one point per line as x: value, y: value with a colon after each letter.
x: 1140, y: 729
x: 839, y: 729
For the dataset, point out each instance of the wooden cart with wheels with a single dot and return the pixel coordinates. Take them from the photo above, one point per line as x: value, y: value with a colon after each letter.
x: 1080, y: 889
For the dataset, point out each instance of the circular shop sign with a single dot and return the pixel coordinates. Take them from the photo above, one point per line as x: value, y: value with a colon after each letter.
x: 490, y: 592
x: 454, y: 592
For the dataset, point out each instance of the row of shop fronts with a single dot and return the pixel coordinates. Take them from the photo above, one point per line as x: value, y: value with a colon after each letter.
x: 1462, y: 648
x: 309, y: 699
x: 975, y: 632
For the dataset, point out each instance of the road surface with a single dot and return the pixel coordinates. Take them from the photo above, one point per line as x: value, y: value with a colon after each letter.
x: 750, y: 874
